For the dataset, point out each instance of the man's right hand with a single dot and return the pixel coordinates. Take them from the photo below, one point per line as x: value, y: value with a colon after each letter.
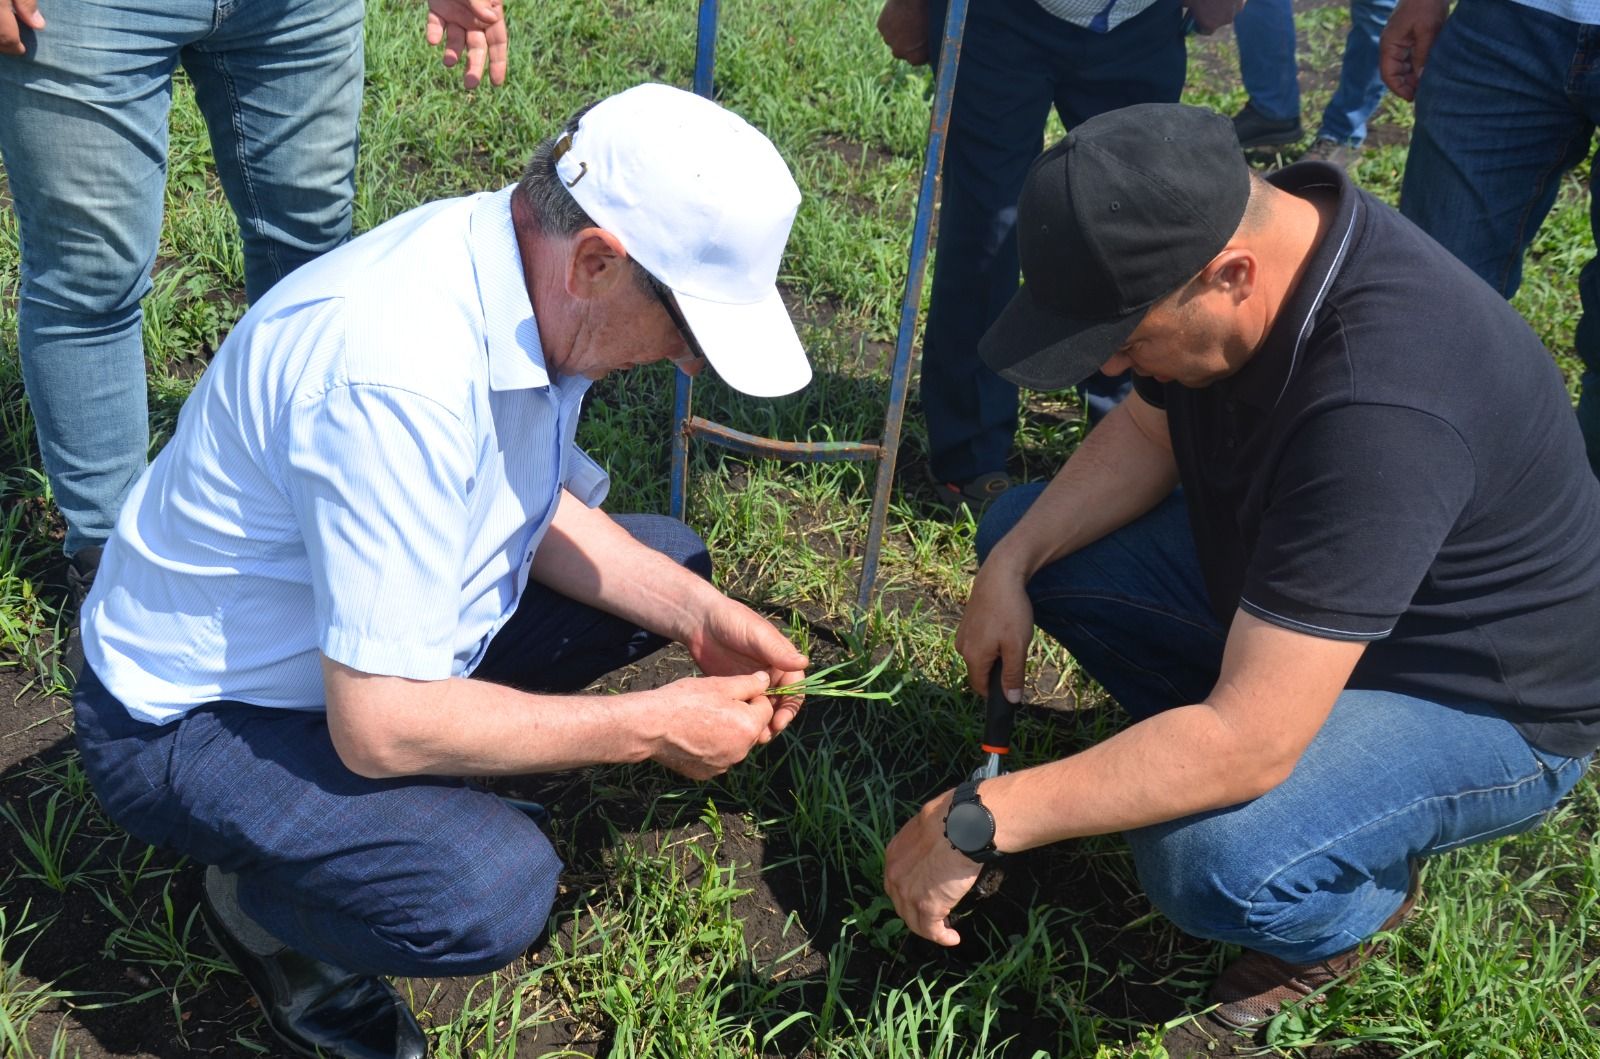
x: 709, y: 724
x: 14, y: 14
x: 903, y: 25
x: 996, y: 628
x: 1406, y: 41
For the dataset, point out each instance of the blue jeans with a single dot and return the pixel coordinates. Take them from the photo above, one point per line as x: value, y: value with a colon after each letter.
x: 417, y: 876
x: 1507, y: 106
x: 84, y: 141
x: 1271, y: 74
x: 1314, y: 866
x: 1017, y: 60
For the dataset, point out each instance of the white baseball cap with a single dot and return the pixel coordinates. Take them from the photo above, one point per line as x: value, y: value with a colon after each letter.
x: 703, y: 202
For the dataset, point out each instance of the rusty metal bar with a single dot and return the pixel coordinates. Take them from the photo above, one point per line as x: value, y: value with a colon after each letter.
x: 796, y: 451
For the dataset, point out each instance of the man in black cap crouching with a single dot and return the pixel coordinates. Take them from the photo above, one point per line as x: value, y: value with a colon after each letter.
x: 1359, y: 634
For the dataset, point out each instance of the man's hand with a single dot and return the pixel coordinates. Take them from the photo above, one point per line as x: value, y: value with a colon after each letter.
x: 903, y: 25
x: 476, y: 28
x: 709, y: 724
x: 1406, y: 41
x: 925, y: 876
x: 14, y: 14
x: 734, y: 640
x: 1211, y: 15
x: 996, y: 628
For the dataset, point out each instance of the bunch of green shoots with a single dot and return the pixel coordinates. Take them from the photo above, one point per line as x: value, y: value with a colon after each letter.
x: 830, y: 683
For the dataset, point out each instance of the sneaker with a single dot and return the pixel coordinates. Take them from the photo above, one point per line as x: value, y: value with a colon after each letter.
x: 1255, y: 129
x: 973, y: 493
x: 1333, y: 152
x: 1255, y: 987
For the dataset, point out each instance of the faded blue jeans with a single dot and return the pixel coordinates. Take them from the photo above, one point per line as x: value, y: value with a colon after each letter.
x: 1271, y: 74
x: 83, y: 135
x: 1314, y: 866
x: 1508, y: 105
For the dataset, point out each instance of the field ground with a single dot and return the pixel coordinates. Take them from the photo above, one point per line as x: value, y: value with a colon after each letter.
x: 745, y: 917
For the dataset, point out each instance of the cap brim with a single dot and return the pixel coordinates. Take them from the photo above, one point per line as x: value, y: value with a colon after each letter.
x: 1042, y: 350
x: 753, y: 347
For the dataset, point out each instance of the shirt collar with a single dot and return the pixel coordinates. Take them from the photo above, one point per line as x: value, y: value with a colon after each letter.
x: 1261, y: 382
x: 511, y: 335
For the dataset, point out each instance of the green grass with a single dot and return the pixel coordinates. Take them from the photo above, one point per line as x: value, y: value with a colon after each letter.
x: 651, y: 953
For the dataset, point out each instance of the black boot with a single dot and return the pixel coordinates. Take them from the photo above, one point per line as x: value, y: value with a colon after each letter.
x: 1255, y: 129
x: 316, y: 1008
x: 81, y: 569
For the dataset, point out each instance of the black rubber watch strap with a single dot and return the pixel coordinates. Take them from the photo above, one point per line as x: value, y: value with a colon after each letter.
x: 976, y: 825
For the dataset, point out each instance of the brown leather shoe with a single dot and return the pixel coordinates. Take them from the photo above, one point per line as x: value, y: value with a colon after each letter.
x: 1255, y: 987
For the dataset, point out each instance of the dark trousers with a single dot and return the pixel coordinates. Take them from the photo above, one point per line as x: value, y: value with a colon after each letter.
x: 417, y: 876
x: 1017, y: 60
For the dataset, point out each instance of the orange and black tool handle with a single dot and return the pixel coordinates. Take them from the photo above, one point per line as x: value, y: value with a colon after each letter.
x: 999, y: 716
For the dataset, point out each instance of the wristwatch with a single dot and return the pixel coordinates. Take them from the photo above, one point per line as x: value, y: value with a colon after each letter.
x: 969, y: 825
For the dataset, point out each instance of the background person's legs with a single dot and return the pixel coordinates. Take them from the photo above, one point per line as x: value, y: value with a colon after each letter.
x: 1270, y: 72
x: 1360, y: 89
x: 279, y: 84
x: 84, y: 140
x: 1508, y: 106
x: 1002, y: 97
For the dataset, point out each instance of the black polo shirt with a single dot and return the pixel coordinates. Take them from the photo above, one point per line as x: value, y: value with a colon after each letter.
x: 1399, y: 463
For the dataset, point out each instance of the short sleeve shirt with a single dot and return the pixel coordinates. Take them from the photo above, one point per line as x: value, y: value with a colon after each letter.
x: 365, y: 472
x: 1399, y: 463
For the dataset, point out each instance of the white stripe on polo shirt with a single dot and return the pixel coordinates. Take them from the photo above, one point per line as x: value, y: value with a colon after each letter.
x: 364, y: 471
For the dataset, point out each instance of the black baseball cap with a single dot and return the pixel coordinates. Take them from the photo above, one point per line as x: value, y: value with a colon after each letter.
x: 1127, y: 208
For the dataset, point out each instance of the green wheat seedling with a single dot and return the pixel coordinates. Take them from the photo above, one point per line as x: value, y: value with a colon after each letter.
x: 49, y: 840
x: 21, y: 999
x: 824, y: 683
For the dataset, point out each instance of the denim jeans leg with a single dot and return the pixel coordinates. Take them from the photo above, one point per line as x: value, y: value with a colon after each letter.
x: 1131, y: 608
x: 553, y: 643
x: 1360, y: 88
x: 418, y: 876
x: 1267, y: 65
x: 1508, y: 106
x: 279, y: 84
x: 1002, y: 97
x: 84, y: 141
x: 1313, y: 867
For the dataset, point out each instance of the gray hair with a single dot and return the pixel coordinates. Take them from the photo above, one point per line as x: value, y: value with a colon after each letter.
x: 551, y: 206
x: 553, y: 209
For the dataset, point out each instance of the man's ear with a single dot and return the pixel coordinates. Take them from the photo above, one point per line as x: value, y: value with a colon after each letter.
x: 596, y: 262
x: 1232, y: 273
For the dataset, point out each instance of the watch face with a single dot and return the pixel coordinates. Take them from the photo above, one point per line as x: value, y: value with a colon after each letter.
x: 969, y: 827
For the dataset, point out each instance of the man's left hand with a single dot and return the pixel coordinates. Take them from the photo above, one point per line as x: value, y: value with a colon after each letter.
x: 474, y: 28
x: 734, y: 640
x: 925, y: 875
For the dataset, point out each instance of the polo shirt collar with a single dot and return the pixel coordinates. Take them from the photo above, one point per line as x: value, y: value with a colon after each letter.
x: 1261, y: 382
x: 511, y: 335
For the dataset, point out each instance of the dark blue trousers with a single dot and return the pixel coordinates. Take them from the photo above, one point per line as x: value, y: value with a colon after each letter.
x: 1017, y: 60
x: 422, y: 876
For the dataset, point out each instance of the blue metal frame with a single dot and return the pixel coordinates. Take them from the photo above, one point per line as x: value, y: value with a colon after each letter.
x: 883, y: 451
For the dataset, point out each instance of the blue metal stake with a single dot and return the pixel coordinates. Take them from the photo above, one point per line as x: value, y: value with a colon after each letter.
x: 885, y: 451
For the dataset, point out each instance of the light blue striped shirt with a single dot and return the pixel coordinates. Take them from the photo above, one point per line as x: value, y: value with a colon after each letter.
x: 365, y: 470
x: 1101, y: 16
x: 1584, y: 12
